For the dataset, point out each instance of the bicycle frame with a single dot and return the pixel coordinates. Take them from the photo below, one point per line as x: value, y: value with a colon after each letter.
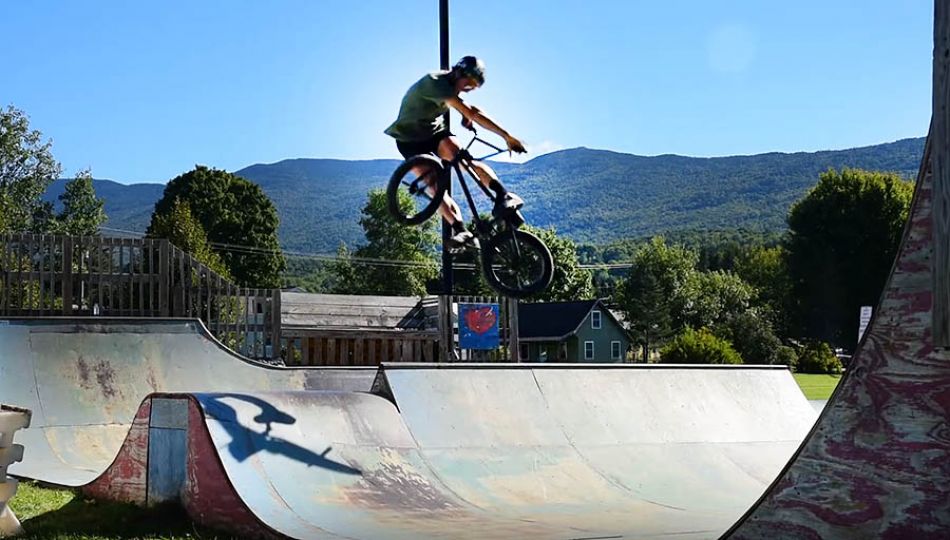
x: 463, y: 160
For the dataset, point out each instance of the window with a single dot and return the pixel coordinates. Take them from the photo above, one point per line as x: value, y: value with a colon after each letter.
x: 615, y: 353
x: 523, y: 352
x: 595, y: 320
x: 588, y: 350
x: 543, y: 354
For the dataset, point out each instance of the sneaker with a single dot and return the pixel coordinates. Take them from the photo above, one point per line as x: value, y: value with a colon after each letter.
x: 463, y: 240
x: 507, y: 203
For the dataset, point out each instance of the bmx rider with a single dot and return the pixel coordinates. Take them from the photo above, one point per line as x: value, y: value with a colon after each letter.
x: 420, y: 129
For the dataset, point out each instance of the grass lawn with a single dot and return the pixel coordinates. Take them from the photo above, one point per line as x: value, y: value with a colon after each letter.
x: 64, y: 515
x: 817, y: 386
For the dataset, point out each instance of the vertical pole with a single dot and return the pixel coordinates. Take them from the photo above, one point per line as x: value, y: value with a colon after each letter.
x: 447, y: 271
x: 940, y: 149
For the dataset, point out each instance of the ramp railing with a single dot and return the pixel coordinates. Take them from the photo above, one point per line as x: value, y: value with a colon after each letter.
x: 11, y: 420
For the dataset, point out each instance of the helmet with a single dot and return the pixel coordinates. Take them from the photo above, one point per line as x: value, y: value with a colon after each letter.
x: 469, y: 66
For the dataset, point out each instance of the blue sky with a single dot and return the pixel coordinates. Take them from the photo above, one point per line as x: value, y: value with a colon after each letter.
x: 143, y: 91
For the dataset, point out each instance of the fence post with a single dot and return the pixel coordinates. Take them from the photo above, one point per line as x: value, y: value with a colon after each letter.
x: 68, y: 275
x: 514, y: 345
x: 11, y: 419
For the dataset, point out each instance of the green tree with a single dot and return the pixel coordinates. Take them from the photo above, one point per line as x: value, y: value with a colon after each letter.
x: 710, y: 298
x: 817, y: 357
x: 82, y: 212
x: 752, y: 335
x: 699, y: 347
x: 843, y: 239
x: 235, y: 213
x: 569, y: 282
x: 180, y: 227
x: 27, y: 168
x: 396, y: 259
x: 652, y: 295
x: 766, y: 269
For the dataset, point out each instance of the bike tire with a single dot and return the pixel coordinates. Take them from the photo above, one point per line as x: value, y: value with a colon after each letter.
x: 396, y: 180
x: 536, y: 254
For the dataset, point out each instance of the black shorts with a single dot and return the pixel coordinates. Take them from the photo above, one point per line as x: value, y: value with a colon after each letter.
x: 427, y: 146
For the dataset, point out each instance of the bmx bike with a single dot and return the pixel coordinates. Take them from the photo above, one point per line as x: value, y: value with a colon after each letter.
x: 514, y: 262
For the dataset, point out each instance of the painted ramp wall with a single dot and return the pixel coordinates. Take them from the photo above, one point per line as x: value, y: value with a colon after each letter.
x: 500, y: 452
x: 877, y: 464
x: 84, y: 380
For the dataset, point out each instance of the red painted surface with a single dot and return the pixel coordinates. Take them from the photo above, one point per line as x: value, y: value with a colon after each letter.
x: 126, y: 480
x: 209, y: 497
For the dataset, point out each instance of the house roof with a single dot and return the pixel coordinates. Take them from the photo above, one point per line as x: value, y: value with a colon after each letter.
x: 353, y: 312
x: 554, y: 320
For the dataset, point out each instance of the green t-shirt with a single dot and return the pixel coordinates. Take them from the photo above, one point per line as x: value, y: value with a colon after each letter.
x: 420, y: 115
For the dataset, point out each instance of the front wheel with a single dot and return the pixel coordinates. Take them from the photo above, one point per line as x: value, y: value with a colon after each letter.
x: 416, y: 189
x: 516, y: 263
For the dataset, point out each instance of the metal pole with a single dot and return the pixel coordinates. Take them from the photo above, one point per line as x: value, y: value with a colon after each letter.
x: 447, y: 283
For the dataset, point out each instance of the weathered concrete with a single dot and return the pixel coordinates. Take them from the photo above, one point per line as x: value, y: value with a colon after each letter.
x: 84, y: 380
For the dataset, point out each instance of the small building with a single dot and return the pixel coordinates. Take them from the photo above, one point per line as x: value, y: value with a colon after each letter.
x: 353, y: 330
x: 584, y: 331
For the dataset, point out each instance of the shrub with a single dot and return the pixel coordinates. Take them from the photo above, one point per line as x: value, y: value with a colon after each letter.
x: 817, y: 357
x: 786, y: 356
x: 699, y: 347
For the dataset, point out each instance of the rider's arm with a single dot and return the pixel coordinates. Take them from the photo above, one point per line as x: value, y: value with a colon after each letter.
x: 474, y: 115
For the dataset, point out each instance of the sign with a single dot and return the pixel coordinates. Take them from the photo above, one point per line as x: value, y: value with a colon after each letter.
x: 865, y: 320
x: 478, y: 326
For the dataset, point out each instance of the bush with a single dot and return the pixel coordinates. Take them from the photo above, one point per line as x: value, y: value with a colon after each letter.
x: 786, y: 356
x: 752, y: 336
x: 817, y: 357
x: 699, y: 347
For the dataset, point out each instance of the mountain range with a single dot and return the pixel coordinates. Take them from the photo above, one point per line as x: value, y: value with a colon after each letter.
x: 594, y: 196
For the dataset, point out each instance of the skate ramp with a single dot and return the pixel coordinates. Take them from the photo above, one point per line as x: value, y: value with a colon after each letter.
x: 84, y: 380
x: 499, y: 452
x: 877, y: 463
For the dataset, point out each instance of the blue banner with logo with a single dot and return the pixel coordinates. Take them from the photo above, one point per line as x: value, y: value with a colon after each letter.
x: 478, y: 326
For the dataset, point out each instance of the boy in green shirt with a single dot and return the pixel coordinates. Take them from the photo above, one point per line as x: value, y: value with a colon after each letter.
x: 420, y: 129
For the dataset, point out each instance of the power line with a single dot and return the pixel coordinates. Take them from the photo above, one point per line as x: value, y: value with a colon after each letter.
x: 371, y: 261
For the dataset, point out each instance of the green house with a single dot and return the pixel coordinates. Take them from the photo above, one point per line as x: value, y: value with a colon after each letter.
x: 583, y: 331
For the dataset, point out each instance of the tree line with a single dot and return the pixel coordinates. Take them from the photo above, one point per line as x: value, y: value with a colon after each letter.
x: 721, y: 296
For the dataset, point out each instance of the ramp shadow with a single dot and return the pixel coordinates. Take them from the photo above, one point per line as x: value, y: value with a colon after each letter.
x: 245, y: 442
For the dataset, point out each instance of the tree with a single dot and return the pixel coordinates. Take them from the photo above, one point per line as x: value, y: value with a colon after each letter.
x: 652, y: 295
x: 234, y: 213
x: 843, y: 237
x: 396, y: 260
x: 766, y: 269
x: 707, y: 299
x: 569, y: 282
x: 752, y: 336
x: 82, y: 212
x: 180, y: 227
x: 27, y: 168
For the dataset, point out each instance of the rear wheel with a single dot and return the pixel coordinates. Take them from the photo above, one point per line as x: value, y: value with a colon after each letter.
x: 420, y: 180
x: 516, y: 263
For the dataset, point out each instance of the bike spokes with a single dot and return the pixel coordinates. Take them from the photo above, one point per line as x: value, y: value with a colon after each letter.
x: 416, y: 189
x: 517, y: 264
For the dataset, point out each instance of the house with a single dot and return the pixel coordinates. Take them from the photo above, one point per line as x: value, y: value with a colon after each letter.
x: 351, y: 330
x: 584, y: 331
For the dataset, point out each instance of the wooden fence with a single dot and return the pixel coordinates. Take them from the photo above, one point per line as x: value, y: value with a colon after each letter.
x: 46, y: 275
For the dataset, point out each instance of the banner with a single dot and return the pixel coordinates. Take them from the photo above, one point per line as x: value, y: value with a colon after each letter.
x: 478, y: 326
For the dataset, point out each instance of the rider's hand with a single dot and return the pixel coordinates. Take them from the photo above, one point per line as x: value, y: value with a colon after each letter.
x: 514, y: 145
